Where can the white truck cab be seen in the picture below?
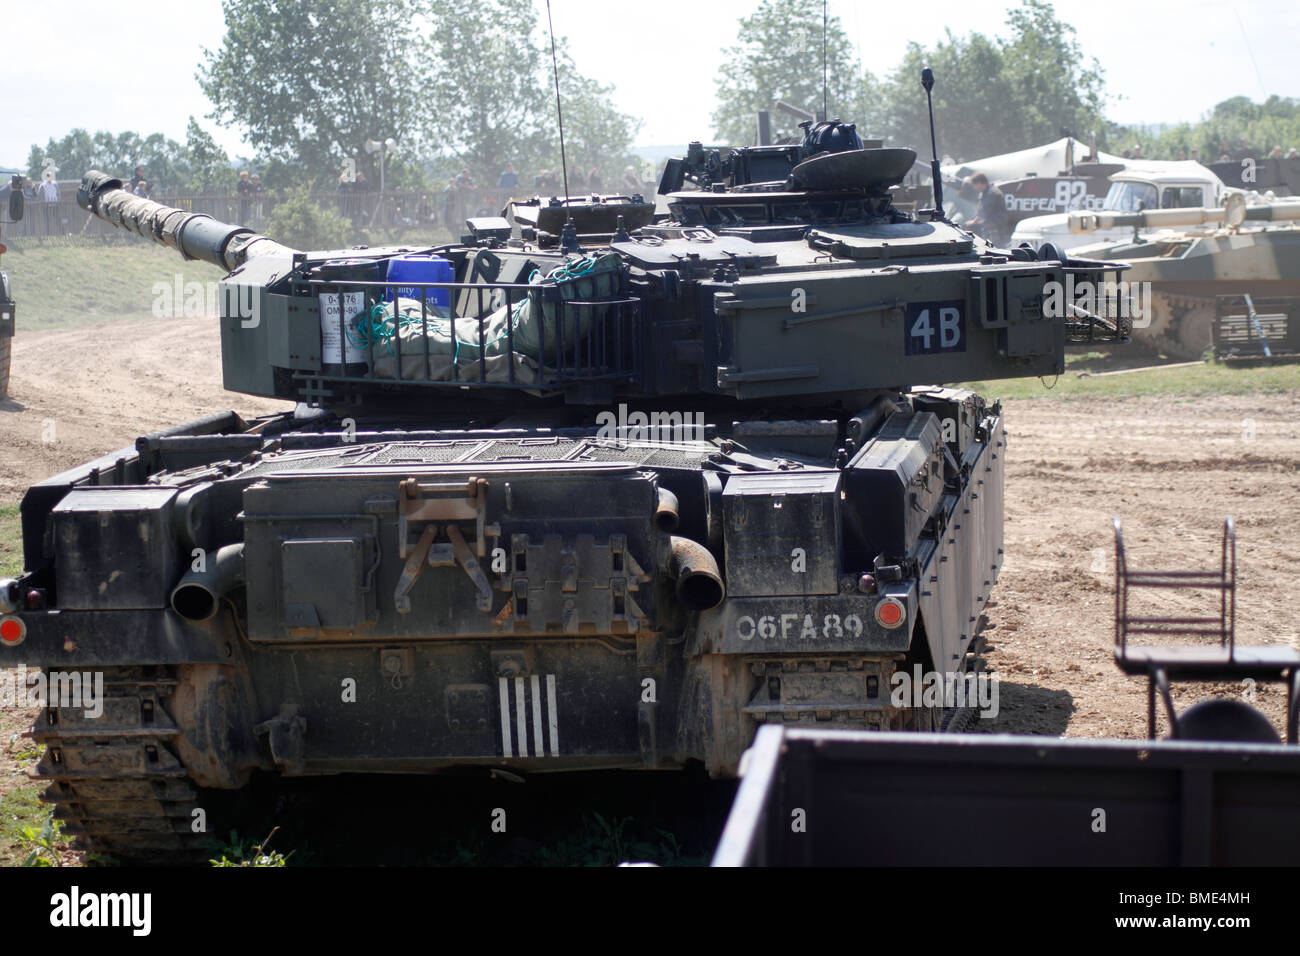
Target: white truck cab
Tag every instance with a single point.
(1142, 185)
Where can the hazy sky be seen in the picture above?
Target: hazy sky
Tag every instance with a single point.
(133, 67)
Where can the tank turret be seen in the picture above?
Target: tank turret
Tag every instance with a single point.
(787, 275)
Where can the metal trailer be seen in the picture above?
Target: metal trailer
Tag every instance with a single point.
(817, 798)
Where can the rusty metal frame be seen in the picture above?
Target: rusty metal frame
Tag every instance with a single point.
(448, 501)
(1163, 665)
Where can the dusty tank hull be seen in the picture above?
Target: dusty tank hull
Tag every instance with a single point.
(682, 518)
(597, 637)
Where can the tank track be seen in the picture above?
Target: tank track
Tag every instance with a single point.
(958, 720)
(951, 720)
(116, 781)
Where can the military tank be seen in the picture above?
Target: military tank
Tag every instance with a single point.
(1243, 248)
(609, 495)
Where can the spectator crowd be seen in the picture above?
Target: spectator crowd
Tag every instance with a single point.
(463, 196)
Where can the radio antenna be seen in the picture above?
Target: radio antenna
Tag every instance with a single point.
(936, 178)
(559, 114)
(569, 237)
(825, 115)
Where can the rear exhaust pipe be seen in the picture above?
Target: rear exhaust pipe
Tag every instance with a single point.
(198, 596)
(666, 517)
(699, 585)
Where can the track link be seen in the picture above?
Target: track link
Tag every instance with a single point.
(115, 781)
(960, 720)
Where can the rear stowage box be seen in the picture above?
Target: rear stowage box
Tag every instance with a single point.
(960, 412)
(782, 533)
(115, 548)
(892, 487)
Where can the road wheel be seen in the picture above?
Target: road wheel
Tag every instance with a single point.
(1194, 330)
(1179, 325)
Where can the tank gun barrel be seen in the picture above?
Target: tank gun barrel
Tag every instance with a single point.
(1086, 222)
(194, 235)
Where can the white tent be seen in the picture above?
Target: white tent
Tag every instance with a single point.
(1049, 160)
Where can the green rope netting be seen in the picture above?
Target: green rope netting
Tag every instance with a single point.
(386, 321)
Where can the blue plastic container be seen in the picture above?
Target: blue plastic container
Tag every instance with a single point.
(420, 269)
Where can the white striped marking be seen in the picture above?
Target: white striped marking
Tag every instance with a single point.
(539, 748)
(506, 747)
(520, 717)
(555, 720)
(516, 729)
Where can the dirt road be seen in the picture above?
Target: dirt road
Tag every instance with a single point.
(76, 394)
(1171, 468)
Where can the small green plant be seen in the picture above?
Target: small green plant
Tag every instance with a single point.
(301, 222)
(238, 853)
(615, 833)
(44, 842)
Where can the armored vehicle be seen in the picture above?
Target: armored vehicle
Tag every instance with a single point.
(1193, 256)
(609, 496)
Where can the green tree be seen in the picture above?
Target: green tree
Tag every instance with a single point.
(1274, 122)
(458, 88)
(165, 161)
(995, 95)
(595, 134)
(310, 81)
(300, 222)
(970, 99)
(491, 104)
(1054, 85)
(209, 166)
(779, 57)
(495, 96)
(70, 157)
